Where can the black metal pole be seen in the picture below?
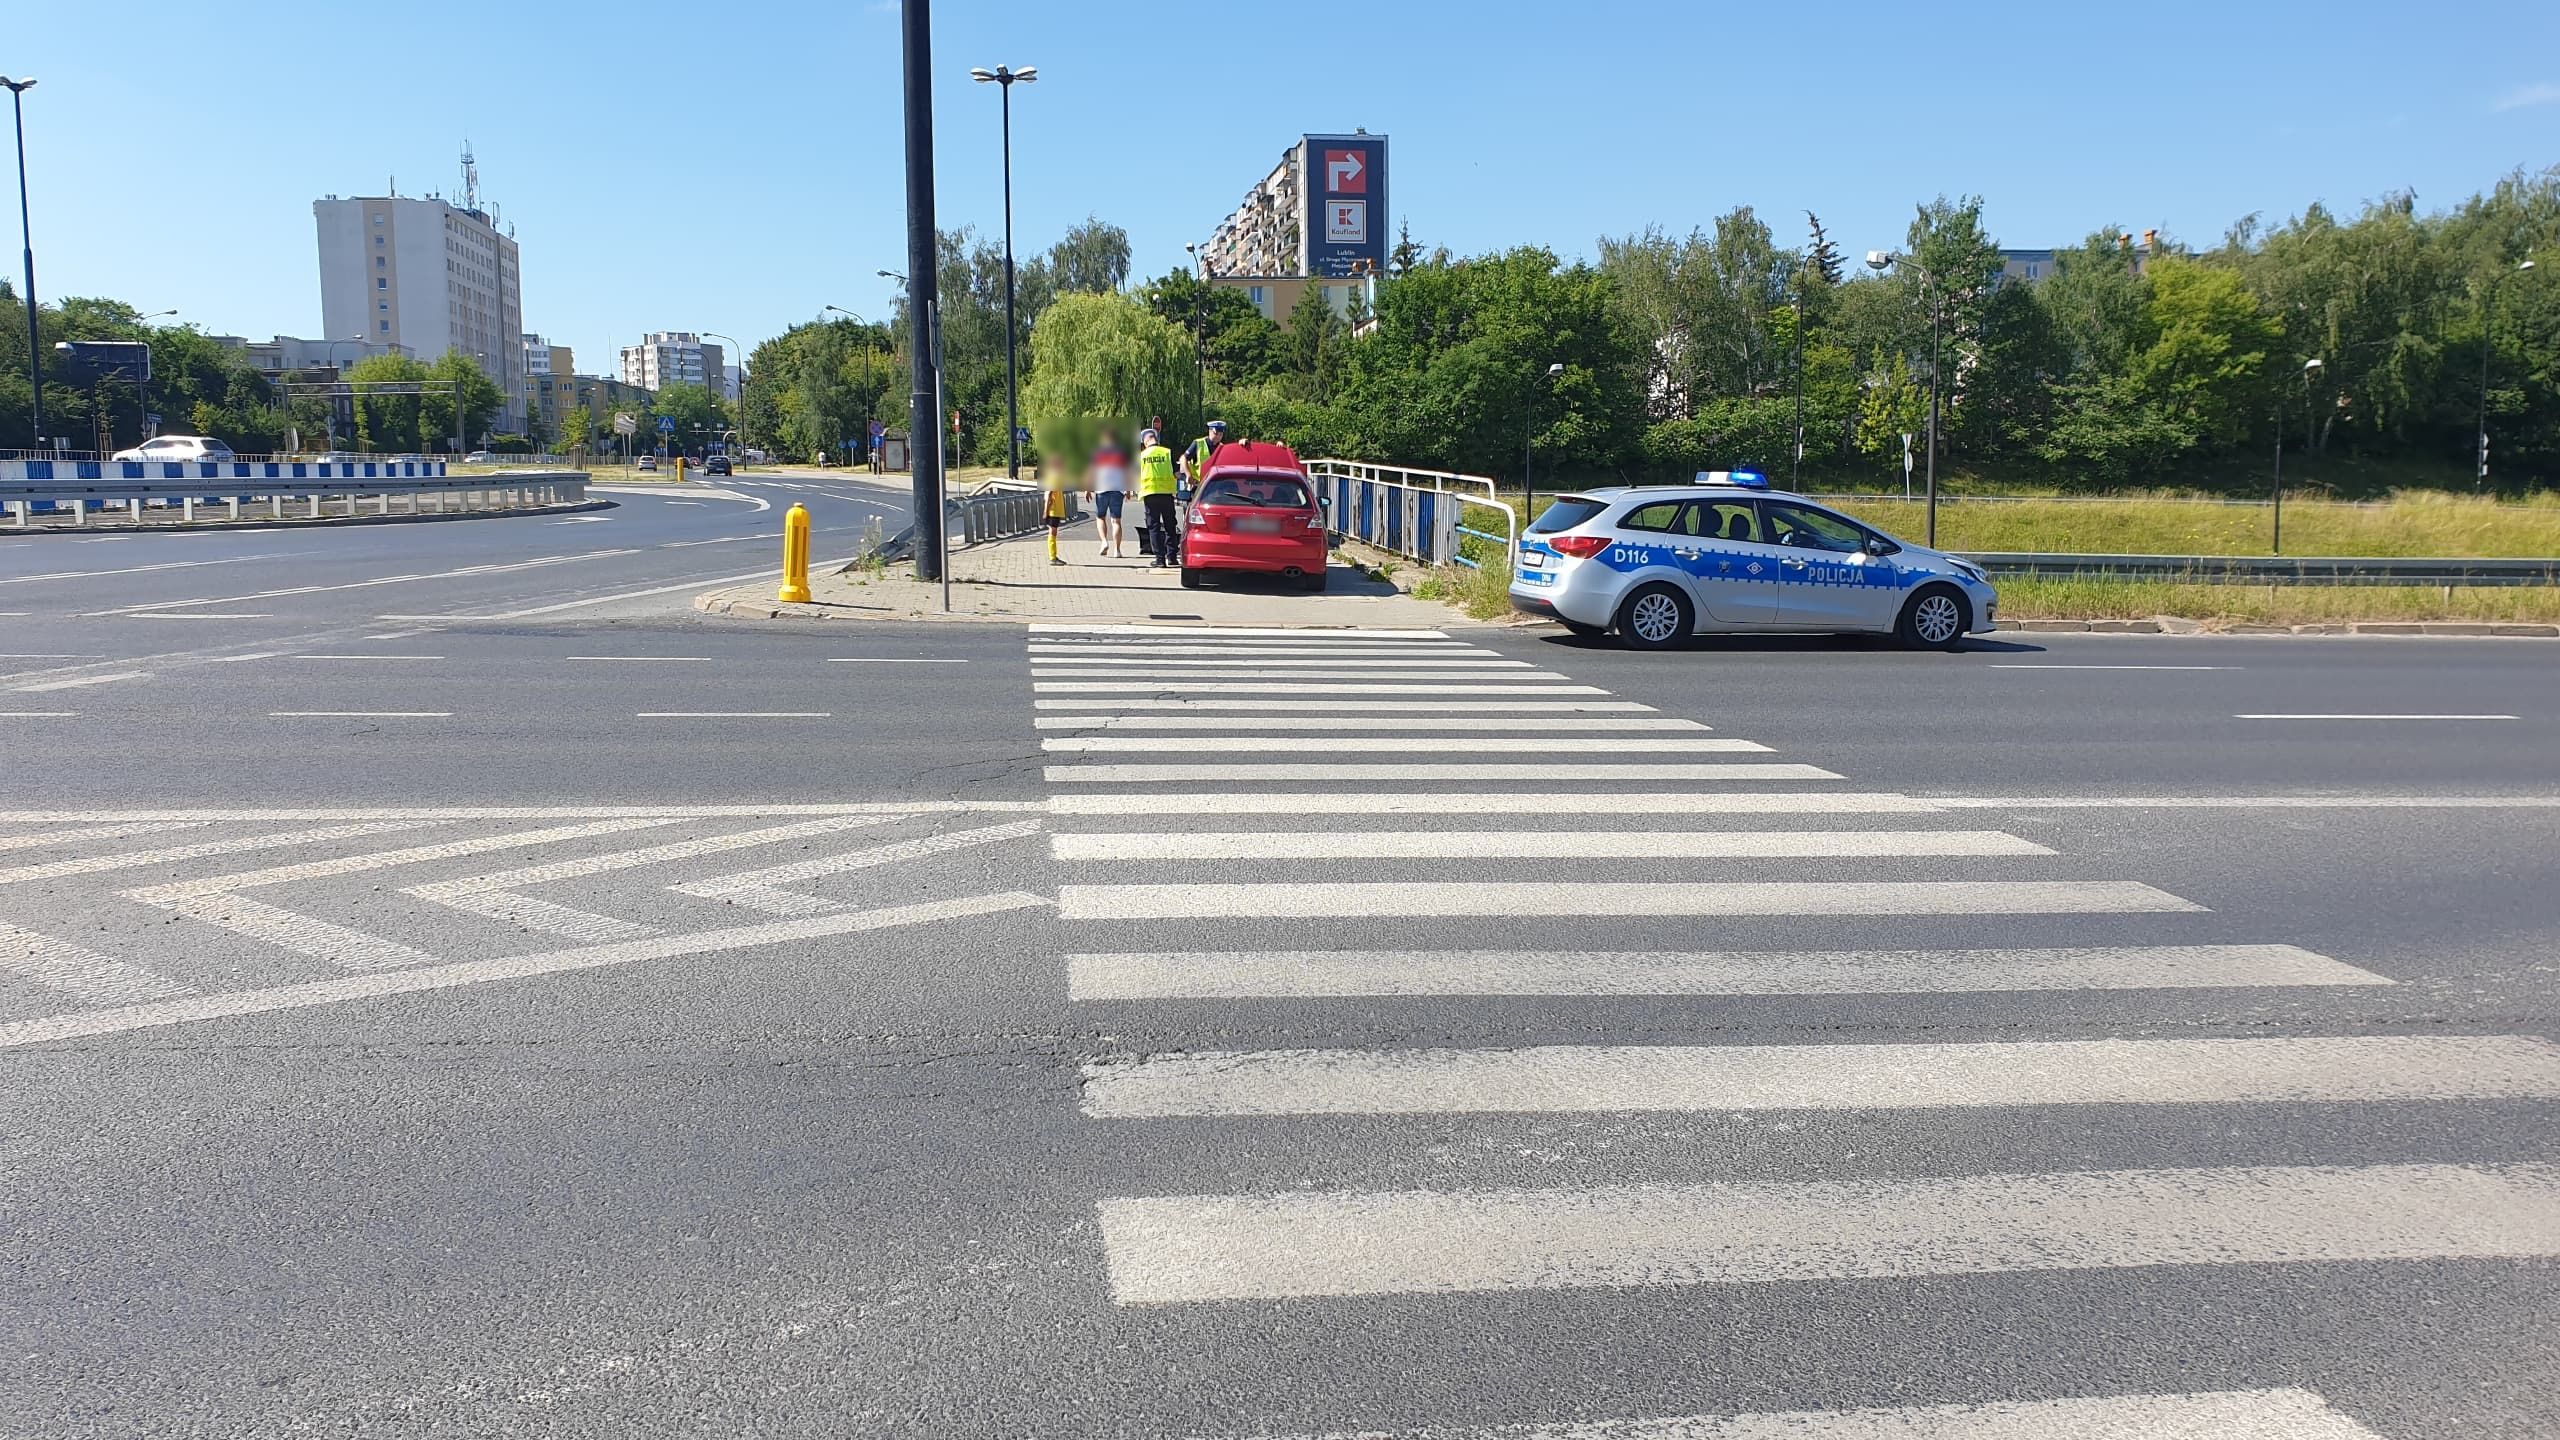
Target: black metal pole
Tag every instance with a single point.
(1012, 384)
(1795, 467)
(2277, 547)
(924, 456)
(1933, 416)
(2488, 302)
(35, 353)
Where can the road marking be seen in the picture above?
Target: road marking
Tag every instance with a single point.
(1309, 974)
(1064, 663)
(684, 502)
(886, 660)
(93, 864)
(1810, 802)
(2212, 1415)
(762, 889)
(1384, 774)
(1415, 899)
(2010, 665)
(1512, 708)
(1147, 678)
(2246, 802)
(432, 813)
(1157, 848)
(1701, 1079)
(635, 657)
(720, 540)
(292, 930)
(732, 715)
(268, 654)
(466, 572)
(384, 859)
(490, 894)
(38, 714)
(1134, 649)
(41, 655)
(1279, 687)
(706, 583)
(1409, 744)
(198, 615)
(2373, 717)
(142, 569)
(1356, 722)
(1238, 632)
(360, 714)
(85, 975)
(1189, 1248)
(368, 657)
(476, 972)
(583, 520)
(85, 680)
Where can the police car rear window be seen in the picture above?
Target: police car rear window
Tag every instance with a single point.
(1564, 514)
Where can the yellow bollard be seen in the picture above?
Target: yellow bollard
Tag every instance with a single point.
(795, 557)
(679, 469)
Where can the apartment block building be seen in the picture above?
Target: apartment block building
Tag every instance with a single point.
(429, 277)
(673, 357)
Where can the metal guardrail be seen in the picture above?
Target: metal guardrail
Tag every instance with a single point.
(1415, 513)
(2274, 569)
(307, 486)
(1001, 508)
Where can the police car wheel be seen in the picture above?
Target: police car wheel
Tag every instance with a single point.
(1935, 619)
(1656, 617)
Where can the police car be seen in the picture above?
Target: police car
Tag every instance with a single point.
(1659, 564)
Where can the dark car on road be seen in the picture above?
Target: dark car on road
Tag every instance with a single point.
(716, 465)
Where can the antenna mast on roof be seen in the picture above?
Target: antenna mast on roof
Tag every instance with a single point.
(470, 178)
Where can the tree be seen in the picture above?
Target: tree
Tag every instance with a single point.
(577, 430)
(1406, 253)
(1104, 360)
(1894, 407)
(1315, 333)
(2206, 367)
(388, 423)
(697, 412)
(458, 377)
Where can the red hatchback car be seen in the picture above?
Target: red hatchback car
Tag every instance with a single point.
(1255, 510)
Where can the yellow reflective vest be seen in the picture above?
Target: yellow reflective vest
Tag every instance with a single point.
(1155, 471)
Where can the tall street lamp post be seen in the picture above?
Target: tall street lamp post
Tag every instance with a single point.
(144, 389)
(2310, 370)
(35, 362)
(1199, 331)
(1881, 261)
(1529, 428)
(720, 383)
(1004, 78)
(338, 387)
(2488, 314)
(867, 406)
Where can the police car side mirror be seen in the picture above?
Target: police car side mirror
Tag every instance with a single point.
(1879, 546)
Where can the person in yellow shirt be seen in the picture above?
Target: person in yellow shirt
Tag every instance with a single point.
(1156, 482)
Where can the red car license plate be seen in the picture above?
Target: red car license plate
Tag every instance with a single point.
(1258, 525)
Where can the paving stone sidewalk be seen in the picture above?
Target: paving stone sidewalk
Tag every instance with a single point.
(1013, 580)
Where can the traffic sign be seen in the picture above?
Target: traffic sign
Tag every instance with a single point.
(666, 424)
(1022, 433)
(623, 423)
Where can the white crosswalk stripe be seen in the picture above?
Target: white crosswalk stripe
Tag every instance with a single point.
(83, 974)
(1322, 761)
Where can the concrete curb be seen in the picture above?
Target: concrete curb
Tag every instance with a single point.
(298, 522)
(2175, 625)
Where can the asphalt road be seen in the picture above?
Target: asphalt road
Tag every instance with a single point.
(634, 1022)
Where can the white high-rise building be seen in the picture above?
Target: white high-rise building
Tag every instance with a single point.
(669, 357)
(427, 277)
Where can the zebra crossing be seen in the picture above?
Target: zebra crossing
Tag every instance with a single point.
(312, 919)
(1288, 811)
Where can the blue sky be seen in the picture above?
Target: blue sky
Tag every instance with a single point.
(735, 167)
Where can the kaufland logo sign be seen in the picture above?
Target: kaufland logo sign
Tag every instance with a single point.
(1346, 172)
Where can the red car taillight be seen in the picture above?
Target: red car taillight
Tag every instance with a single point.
(1580, 547)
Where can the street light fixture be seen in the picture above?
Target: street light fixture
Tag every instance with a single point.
(1004, 78)
(35, 363)
(1881, 261)
(1199, 331)
(2311, 369)
(719, 386)
(2488, 315)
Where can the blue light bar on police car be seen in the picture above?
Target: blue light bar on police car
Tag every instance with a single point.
(1742, 479)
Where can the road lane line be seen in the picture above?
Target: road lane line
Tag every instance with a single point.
(424, 814)
(45, 839)
(2208, 1415)
(1281, 663)
(2373, 717)
(360, 714)
(84, 680)
(43, 655)
(476, 972)
(1703, 1079)
(732, 714)
(887, 660)
(762, 889)
(1238, 632)
(1506, 708)
(1576, 725)
(38, 714)
(1312, 974)
(635, 657)
(1810, 802)
(1146, 678)
(1041, 650)
(93, 864)
(195, 615)
(2246, 802)
(1158, 848)
(2014, 665)
(367, 657)
(83, 974)
(143, 569)
(1190, 1248)
(1416, 899)
(1286, 687)
(1219, 773)
(253, 655)
(706, 583)
(526, 912)
(467, 572)
(1411, 744)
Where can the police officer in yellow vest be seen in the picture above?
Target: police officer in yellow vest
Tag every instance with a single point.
(1156, 483)
(1195, 458)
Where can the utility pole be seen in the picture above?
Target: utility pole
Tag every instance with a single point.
(924, 458)
(35, 357)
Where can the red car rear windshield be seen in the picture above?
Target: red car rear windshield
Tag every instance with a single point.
(1262, 492)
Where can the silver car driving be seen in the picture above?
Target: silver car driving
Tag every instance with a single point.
(1658, 564)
